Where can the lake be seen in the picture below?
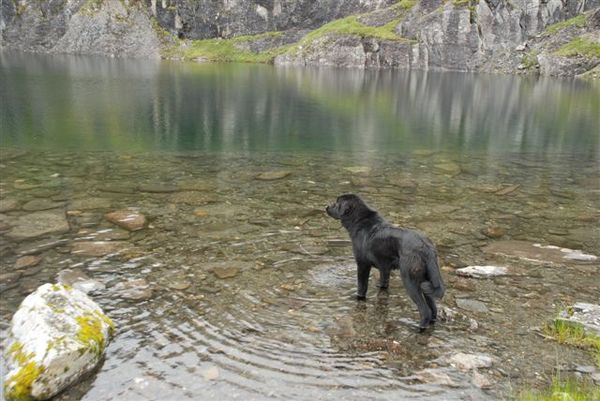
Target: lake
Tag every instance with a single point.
(240, 287)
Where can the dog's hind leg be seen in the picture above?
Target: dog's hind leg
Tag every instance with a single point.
(429, 298)
(414, 292)
(431, 303)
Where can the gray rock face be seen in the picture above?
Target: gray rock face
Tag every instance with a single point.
(486, 35)
(334, 50)
(107, 27)
(204, 19)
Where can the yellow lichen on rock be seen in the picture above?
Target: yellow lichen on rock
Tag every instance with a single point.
(18, 386)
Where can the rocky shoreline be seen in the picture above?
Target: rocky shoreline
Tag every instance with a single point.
(551, 38)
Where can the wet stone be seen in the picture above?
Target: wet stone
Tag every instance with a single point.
(435, 376)
(90, 204)
(585, 369)
(158, 188)
(482, 271)
(38, 224)
(97, 248)
(449, 168)
(27, 261)
(273, 175)
(127, 219)
(179, 284)
(537, 253)
(480, 380)
(493, 232)
(192, 198)
(41, 204)
(137, 290)
(224, 272)
(463, 361)
(79, 280)
(7, 205)
(117, 188)
(471, 305)
(358, 169)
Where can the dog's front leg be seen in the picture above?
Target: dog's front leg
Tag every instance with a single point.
(363, 271)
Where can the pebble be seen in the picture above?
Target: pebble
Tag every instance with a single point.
(466, 362)
(41, 204)
(471, 305)
(27, 261)
(90, 204)
(7, 205)
(211, 373)
(273, 175)
(97, 248)
(127, 219)
(224, 272)
(480, 380)
(79, 280)
(434, 376)
(138, 290)
(38, 224)
(158, 188)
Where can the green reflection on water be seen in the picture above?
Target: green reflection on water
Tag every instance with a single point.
(129, 105)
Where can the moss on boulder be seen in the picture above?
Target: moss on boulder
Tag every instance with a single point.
(57, 335)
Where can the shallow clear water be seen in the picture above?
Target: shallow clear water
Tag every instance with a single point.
(186, 146)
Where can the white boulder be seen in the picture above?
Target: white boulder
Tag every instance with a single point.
(482, 271)
(57, 335)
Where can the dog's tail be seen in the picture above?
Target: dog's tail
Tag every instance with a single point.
(435, 285)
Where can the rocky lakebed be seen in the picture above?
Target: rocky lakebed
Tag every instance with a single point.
(223, 275)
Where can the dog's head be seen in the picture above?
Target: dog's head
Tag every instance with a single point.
(347, 207)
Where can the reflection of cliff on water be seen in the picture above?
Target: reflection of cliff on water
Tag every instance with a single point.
(125, 105)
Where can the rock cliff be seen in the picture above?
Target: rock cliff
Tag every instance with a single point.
(552, 37)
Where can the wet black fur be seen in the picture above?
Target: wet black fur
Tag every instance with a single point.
(377, 243)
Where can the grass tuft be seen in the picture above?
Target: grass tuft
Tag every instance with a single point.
(579, 21)
(571, 390)
(580, 47)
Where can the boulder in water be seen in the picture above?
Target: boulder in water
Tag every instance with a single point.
(57, 335)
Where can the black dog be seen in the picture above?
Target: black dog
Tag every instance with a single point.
(377, 243)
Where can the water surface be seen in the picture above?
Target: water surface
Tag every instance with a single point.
(186, 145)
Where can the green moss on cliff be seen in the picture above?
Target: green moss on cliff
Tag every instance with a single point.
(351, 26)
(226, 50)
(579, 21)
(580, 47)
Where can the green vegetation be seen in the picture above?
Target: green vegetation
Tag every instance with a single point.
(580, 47)
(91, 7)
(571, 390)
(578, 21)
(351, 26)
(530, 60)
(565, 332)
(470, 3)
(227, 50)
